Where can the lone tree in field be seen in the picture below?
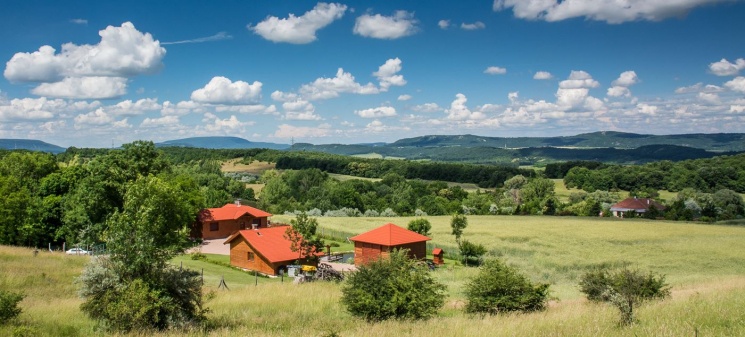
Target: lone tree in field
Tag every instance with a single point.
(421, 226)
(500, 288)
(470, 250)
(396, 287)
(458, 223)
(302, 236)
(625, 289)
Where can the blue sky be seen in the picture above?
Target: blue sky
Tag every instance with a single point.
(96, 73)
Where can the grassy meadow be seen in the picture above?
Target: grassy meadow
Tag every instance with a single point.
(703, 263)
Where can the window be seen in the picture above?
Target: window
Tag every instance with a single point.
(250, 256)
(214, 226)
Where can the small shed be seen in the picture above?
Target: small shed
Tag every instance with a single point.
(437, 256)
(379, 242)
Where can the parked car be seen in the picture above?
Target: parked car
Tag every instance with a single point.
(76, 251)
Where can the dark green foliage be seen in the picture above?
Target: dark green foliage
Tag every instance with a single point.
(471, 251)
(397, 287)
(559, 170)
(421, 226)
(626, 289)
(458, 223)
(303, 238)
(9, 308)
(500, 288)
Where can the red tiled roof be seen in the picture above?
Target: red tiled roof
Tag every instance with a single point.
(437, 251)
(231, 212)
(390, 235)
(636, 204)
(269, 242)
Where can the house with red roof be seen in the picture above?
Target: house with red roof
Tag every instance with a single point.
(264, 249)
(216, 223)
(637, 205)
(379, 242)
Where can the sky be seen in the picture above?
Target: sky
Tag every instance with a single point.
(104, 73)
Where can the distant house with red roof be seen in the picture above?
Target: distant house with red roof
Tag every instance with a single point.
(637, 205)
(265, 250)
(216, 223)
(379, 242)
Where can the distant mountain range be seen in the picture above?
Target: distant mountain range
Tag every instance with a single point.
(30, 144)
(222, 143)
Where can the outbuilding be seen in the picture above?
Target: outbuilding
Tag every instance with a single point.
(438, 256)
(379, 242)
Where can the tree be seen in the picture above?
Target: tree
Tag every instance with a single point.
(500, 288)
(471, 250)
(303, 238)
(458, 223)
(421, 226)
(625, 289)
(397, 287)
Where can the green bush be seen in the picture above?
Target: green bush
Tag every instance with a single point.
(9, 305)
(397, 287)
(421, 226)
(501, 288)
(471, 251)
(625, 289)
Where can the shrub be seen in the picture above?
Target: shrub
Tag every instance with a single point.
(397, 287)
(471, 250)
(9, 305)
(625, 289)
(421, 226)
(501, 288)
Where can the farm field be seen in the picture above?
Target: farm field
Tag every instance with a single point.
(702, 263)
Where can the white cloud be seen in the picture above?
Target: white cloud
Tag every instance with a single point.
(325, 88)
(29, 109)
(473, 26)
(698, 87)
(737, 109)
(302, 116)
(709, 98)
(79, 21)
(248, 109)
(130, 108)
(287, 131)
(404, 97)
(543, 75)
(646, 109)
(578, 79)
(443, 24)
(383, 111)
(95, 87)
(610, 11)
(459, 111)
(96, 117)
(726, 68)
(388, 75)
(229, 125)
(181, 108)
(427, 107)
(377, 26)
(220, 90)
(513, 96)
(618, 91)
(495, 70)
(217, 37)
(736, 84)
(299, 29)
(626, 79)
(159, 122)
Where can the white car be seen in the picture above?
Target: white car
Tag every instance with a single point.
(76, 251)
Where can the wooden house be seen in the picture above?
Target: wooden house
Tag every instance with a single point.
(637, 205)
(265, 250)
(217, 223)
(379, 242)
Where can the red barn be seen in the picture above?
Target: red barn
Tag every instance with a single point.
(215, 223)
(265, 250)
(379, 242)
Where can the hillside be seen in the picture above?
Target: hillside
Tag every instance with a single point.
(29, 144)
(221, 143)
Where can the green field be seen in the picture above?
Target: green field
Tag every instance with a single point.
(703, 263)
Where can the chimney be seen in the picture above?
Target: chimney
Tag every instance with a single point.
(237, 202)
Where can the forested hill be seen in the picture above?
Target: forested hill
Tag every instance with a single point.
(221, 143)
(29, 144)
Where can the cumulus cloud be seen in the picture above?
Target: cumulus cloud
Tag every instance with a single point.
(217, 37)
(388, 75)
(443, 24)
(459, 111)
(736, 84)
(27, 109)
(299, 29)
(343, 82)
(383, 111)
(626, 79)
(377, 126)
(709, 98)
(95, 87)
(473, 26)
(160, 122)
(542, 75)
(377, 26)
(300, 109)
(302, 116)
(578, 79)
(698, 87)
(726, 68)
(618, 91)
(646, 109)
(287, 131)
(96, 117)
(427, 107)
(404, 97)
(573, 93)
(214, 124)
(248, 109)
(495, 70)
(613, 12)
(134, 108)
(180, 108)
(221, 90)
